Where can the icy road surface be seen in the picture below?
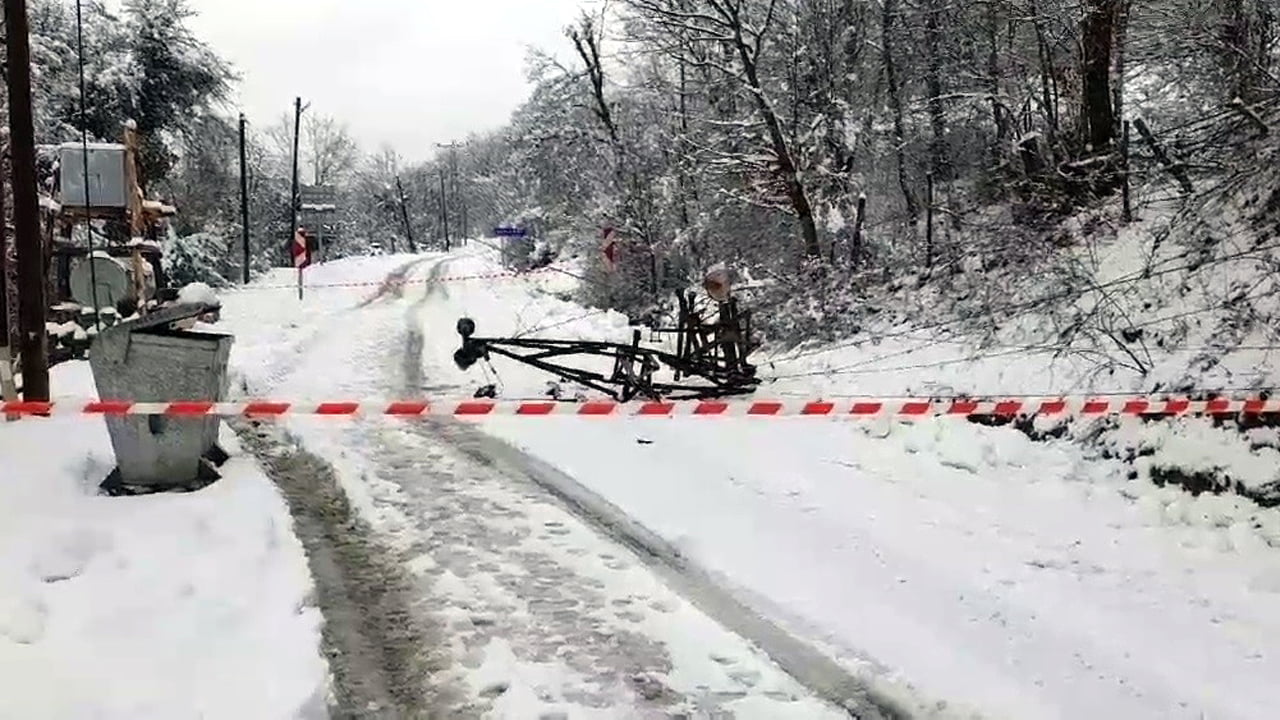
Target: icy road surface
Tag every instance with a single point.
(499, 602)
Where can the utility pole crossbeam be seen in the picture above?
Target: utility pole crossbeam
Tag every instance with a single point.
(32, 305)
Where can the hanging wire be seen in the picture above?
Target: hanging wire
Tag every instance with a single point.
(84, 143)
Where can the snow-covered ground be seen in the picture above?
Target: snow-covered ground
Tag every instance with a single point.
(175, 606)
(955, 569)
(539, 612)
(944, 561)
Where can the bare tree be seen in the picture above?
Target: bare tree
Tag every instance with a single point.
(743, 28)
(329, 149)
(1247, 36)
(888, 17)
(1098, 38)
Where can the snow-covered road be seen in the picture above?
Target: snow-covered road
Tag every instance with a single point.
(954, 568)
(538, 612)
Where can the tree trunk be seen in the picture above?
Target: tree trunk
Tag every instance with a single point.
(1098, 33)
(895, 103)
(787, 170)
(588, 48)
(682, 162)
(938, 163)
(993, 82)
(1121, 65)
(1246, 34)
(1047, 82)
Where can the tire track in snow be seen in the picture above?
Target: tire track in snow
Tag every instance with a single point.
(814, 670)
(569, 606)
(381, 644)
(393, 285)
(468, 590)
(286, 363)
(477, 528)
(415, 338)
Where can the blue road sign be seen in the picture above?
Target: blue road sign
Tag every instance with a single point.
(509, 232)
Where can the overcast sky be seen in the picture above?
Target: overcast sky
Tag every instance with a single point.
(409, 73)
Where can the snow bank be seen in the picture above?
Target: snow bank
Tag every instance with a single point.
(1021, 578)
(152, 607)
(198, 293)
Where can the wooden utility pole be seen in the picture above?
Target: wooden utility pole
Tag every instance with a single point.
(444, 209)
(8, 390)
(244, 198)
(84, 158)
(293, 195)
(404, 213)
(458, 197)
(32, 306)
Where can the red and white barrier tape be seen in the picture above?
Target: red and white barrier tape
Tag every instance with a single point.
(851, 408)
(498, 275)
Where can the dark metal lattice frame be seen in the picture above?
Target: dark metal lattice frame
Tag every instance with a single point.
(711, 358)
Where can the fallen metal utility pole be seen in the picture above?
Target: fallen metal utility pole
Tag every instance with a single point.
(33, 345)
(244, 198)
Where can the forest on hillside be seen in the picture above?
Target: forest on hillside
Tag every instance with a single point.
(821, 146)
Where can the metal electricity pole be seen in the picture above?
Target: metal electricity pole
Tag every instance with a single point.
(244, 198)
(32, 305)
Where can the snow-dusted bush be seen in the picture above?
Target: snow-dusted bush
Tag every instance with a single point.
(198, 258)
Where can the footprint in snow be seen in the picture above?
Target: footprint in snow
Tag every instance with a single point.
(662, 606)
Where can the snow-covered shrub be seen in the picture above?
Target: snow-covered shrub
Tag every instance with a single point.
(824, 306)
(201, 257)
